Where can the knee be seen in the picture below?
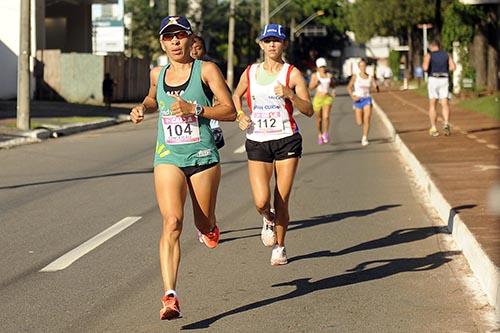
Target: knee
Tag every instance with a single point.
(261, 205)
(172, 224)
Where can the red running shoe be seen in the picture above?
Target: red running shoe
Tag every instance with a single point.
(170, 308)
(211, 239)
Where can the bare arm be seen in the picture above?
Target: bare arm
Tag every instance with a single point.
(149, 103)
(375, 85)
(243, 120)
(314, 81)
(427, 60)
(224, 110)
(300, 99)
(350, 87)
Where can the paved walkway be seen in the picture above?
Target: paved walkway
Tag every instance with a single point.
(464, 167)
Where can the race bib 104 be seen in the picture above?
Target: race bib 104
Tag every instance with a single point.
(181, 130)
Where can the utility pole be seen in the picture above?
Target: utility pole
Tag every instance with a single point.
(23, 69)
(264, 12)
(230, 46)
(172, 11)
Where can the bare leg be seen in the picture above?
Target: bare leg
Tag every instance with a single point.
(203, 188)
(318, 122)
(326, 118)
(359, 116)
(285, 173)
(432, 112)
(446, 109)
(259, 174)
(367, 114)
(171, 191)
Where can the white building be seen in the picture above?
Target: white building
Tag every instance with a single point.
(55, 24)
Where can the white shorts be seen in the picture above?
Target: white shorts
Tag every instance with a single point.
(437, 87)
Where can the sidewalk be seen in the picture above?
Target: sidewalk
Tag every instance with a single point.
(456, 172)
(53, 119)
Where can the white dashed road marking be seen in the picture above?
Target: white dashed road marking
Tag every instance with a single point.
(78, 252)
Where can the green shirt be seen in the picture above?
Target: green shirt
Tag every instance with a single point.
(184, 141)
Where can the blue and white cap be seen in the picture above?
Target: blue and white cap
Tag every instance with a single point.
(179, 22)
(273, 30)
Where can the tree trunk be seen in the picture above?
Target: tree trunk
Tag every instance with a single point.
(493, 45)
(478, 57)
(409, 62)
(438, 21)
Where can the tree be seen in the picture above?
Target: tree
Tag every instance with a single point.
(369, 18)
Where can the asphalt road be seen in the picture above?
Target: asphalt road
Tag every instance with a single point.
(365, 254)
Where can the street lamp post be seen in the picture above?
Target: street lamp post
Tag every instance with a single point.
(230, 46)
(424, 28)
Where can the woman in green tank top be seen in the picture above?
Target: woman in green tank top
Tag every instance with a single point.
(185, 156)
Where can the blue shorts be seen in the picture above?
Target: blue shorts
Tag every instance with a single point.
(362, 102)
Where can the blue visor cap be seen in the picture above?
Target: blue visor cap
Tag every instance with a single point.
(273, 30)
(179, 22)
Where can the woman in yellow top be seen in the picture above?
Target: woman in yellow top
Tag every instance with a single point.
(322, 81)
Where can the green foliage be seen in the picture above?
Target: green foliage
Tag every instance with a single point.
(369, 18)
(394, 57)
(459, 24)
(489, 105)
(146, 20)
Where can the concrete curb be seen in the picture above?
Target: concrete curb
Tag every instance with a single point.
(483, 268)
(39, 135)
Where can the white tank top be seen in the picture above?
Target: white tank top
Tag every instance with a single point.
(324, 83)
(362, 86)
(272, 116)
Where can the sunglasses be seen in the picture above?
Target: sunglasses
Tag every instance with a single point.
(269, 40)
(177, 34)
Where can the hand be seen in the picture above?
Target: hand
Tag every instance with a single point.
(181, 108)
(355, 98)
(282, 91)
(244, 122)
(137, 113)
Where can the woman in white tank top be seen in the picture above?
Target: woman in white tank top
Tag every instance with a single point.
(359, 88)
(322, 81)
(273, 89)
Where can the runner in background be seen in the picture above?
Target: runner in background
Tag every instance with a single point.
(323, 82)
(199, 51)
(438, 64)
(186, 158)
(359, 88)
(274, 145)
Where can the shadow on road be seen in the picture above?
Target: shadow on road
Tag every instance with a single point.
(125, 173)
(359, 274)
(395, 238)
(317, 220)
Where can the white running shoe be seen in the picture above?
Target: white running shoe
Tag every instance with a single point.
(278, 256)
(268, 234)
(364, 141)
(200, 236)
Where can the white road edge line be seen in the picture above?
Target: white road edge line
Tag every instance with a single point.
(78, 252)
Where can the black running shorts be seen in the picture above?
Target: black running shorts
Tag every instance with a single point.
(274, 150)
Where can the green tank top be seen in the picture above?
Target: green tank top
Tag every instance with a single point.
(184, 141)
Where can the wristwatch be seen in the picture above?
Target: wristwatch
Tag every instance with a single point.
(198, 109)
